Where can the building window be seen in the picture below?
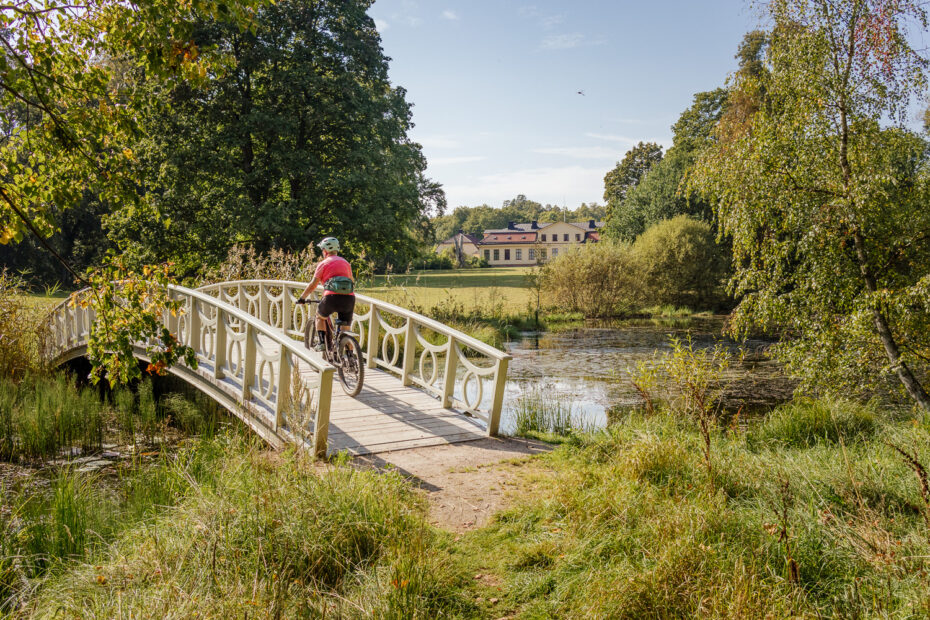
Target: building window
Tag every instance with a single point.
(544, 238)
(578, 237)
(555, 252)
(532, 254)
(542, 254)
(565, 237)
(520, 254)
(497, 254)
(487, 255)
(507, 254)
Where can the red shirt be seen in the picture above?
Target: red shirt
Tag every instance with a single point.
(330, 268)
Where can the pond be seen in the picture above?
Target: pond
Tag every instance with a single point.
(587, 366)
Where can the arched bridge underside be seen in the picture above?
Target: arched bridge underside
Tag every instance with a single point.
(425, 383)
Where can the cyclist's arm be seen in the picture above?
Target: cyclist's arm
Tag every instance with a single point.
(313, 284)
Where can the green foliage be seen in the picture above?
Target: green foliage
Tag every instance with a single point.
(244, 262)
(475, 220)
(660, 194)
(825, 200)
(130, 309)
(301, 136)
(599, 280)
(675, 263)
(681, 263)
(619, 182)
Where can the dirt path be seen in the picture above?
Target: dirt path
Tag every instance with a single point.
(466, 483)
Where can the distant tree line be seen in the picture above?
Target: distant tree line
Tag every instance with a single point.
(475, 220)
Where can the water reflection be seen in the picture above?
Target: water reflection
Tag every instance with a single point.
(588, 366)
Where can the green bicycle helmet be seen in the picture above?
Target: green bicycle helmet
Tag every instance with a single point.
(330, 244)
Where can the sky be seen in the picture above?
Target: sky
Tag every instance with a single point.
(544, 98)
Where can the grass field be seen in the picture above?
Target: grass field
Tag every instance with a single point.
(507, 286)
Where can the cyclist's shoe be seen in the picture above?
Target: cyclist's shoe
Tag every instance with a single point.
(319, 347)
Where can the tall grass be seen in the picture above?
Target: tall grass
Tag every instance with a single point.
(272, 538)
(538, 412)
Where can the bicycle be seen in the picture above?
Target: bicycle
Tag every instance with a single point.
(342, 351)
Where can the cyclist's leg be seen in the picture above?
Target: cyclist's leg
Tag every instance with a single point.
(323, 310)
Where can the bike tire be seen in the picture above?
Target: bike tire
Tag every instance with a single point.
(310, 333)
(350, 365)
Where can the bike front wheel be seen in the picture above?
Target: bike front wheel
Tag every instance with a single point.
(350, 365)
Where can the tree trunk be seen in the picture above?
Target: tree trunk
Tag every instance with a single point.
(914, 389)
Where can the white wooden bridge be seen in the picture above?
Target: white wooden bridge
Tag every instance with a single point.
(425, 383)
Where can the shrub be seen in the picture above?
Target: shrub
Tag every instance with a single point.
(681, 264)
(244, 262)
(597, 280)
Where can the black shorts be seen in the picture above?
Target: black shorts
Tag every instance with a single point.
(343, 305)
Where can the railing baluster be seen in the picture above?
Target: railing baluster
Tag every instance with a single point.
(220, 346)
(321, 424)
(262, 303)
(448, 381)
(284, 387)
(410, 348)
(374, 325)
(286, 309)
(500, 382)
(248, 366)
(194, 325)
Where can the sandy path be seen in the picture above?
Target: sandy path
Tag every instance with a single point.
(466, 483)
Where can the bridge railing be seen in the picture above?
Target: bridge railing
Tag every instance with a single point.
(242, 362)
(461, 371)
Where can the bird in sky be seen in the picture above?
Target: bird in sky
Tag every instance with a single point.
(581, 92)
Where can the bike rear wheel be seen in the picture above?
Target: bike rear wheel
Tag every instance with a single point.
(350, 365)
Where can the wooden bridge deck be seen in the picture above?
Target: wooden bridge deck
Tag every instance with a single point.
(388, 416)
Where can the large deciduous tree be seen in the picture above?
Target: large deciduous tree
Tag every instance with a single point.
(825, 193)
(628, 173)
(303, 136)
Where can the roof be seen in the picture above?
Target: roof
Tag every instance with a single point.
(465, 237)
(528, 226)
(511, 236)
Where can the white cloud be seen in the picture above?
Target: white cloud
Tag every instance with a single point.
(547, 21)
(580, 152)
(413, 21)
(568, 41)
(571, 184)
(562, 41)
(448, 161)
(450, 15)
(381, 25)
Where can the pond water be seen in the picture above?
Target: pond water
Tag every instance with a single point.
(587, 366)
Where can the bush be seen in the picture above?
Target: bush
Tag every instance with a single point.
(681, 263)
(599, 280)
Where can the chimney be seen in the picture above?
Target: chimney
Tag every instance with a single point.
(511, 226)
(591, 224)
(534, 225)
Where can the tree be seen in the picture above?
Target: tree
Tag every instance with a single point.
(68, 126)
(628, 173)
(303, 136)
(824, 194)
(660, 193)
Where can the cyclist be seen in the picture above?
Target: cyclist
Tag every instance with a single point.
(335, 274)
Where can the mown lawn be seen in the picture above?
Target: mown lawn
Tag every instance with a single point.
(506, 286)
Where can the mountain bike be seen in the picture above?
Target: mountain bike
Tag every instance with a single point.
(341, 350)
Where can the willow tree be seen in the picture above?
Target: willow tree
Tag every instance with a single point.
(824, 192)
